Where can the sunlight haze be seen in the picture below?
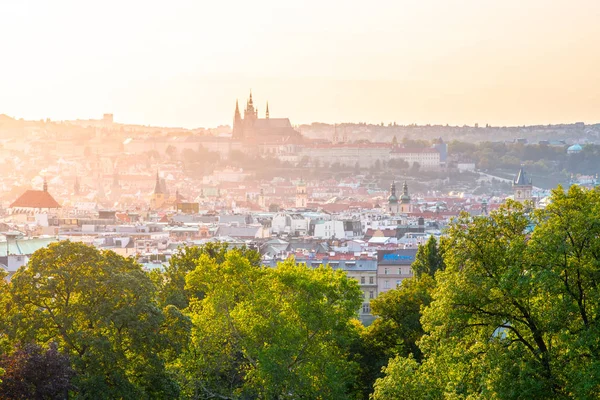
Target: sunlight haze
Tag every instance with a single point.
(184, 63)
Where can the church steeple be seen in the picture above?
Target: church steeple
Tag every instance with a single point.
(237, 109)
(267, 113)
(405, 196)
(45, 187)
(158, 189)
(237, 123)
(250, 112)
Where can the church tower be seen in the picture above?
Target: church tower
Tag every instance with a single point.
(393, 207)
(405, 206)
(267, 113)
(261, 199)
(238, 128)
(522, 187)
(250, 116)
(158, 197)
(301, 195)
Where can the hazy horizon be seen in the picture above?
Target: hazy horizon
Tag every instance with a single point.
(185, 63)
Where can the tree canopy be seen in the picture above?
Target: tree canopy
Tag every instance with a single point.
(100, 309)
(514, 315)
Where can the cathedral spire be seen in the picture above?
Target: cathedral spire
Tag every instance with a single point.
(250, 112)
(158, 189)
(267, 113)
(237, 122)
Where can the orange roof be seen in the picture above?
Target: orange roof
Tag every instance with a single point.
(35, 199)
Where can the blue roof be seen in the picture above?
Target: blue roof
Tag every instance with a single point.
(24, 246)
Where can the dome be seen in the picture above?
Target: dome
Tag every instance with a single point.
(405, 196)
(576, 148)
(393, 199)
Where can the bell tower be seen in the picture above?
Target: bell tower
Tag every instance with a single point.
(405, 206)
(522, 187)
(301, 195)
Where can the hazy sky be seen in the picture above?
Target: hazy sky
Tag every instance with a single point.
(184, 63)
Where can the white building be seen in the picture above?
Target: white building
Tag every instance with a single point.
(329, 230)
(290, 223)
(364, 154)
(426, 157)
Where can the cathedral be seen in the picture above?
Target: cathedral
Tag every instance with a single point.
(255, 129)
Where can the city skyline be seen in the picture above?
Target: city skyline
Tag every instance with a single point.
(186, 64)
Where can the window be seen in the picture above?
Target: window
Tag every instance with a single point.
(371, 294)
(399, 271)
(398, 282)
(386, 284)
(385, 271)
(362, 280)
(371, 280)
(366, 308)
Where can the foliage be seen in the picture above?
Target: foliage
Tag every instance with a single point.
(100, 308)
(173, 291)
(269, 333)
(397, 329)
(32, 373)
(515, 312)
(429, 258)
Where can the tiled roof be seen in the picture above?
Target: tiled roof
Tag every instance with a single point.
(35, 199)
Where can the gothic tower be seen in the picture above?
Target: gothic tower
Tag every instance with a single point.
(522, 187)
(238, 128)
(250, 116)
(158, 197)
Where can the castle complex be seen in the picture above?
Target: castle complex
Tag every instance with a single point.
(251, 128)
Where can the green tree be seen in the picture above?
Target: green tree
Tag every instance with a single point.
(515, 312)
(100, 308)
(397, 329)
(429, 259)
(269, 333)
(172, 281)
